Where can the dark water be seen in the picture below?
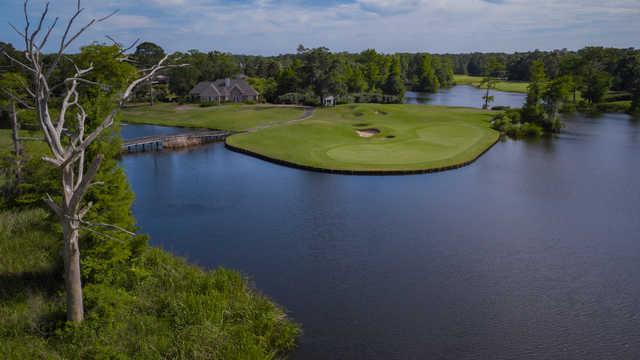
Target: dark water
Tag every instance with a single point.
(468, 96)
(532, 252)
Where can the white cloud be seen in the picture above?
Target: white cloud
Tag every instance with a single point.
(276, 26)
(390, 6)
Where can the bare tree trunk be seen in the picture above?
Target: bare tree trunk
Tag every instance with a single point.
(72, 276)
(150, 94)
(68, 145)
(486, 99)
(17, 145)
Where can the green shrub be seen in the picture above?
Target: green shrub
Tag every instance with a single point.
(508, 122)
(166, 309)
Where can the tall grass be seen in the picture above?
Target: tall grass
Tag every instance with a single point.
(164, 309)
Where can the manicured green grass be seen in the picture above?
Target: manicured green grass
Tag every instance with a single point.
(411, 138)
(509, 86)
(223, 117)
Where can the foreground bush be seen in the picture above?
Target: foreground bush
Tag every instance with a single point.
(163, 307)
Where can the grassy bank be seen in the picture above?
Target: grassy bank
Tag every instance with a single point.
(409, 138)
(158, 307)
(224, 117)
(509, 86)
(167, 308)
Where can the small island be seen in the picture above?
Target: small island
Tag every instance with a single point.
(375, 139)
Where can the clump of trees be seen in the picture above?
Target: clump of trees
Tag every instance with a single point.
(545, 100)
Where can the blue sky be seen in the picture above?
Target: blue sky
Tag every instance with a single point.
(270, 27)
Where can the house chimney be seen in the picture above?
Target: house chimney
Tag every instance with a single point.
(227, 82)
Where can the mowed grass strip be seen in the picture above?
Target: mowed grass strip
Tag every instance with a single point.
(508, 86)
(224, 117)
(410, 138)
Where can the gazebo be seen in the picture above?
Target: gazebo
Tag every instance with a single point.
(329, 101)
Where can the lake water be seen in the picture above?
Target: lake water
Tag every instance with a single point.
(465, 95)
(532, 252)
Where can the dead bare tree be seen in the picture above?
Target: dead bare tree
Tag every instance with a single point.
(13, 87)
(68, 146)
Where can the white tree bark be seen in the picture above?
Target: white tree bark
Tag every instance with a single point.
(68, 146)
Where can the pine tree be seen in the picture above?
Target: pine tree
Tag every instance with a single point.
(395, 81)
(428, 81)
(107, 251)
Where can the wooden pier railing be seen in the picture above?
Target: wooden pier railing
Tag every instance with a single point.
(159, 142)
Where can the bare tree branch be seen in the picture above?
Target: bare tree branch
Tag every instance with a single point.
(18, 61)
(82, 187)
(17, 31)
(40, 22)
(52, 204)
(46, 37)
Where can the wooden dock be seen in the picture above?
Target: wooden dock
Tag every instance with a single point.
(160, 142)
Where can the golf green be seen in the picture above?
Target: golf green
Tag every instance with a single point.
(371, 138)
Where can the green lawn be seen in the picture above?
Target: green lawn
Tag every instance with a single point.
(509, 86)
(224, 117)
(411, 138)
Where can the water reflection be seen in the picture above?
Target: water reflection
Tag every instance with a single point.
(531, 252)
(467, 96)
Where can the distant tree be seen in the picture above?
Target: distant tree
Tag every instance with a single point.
(427, 78)
(493, 69)
(147, 54)
(355, 80)
(632, 73)
(182, 79)
(444, 71)
(572, 65)
(13, 96)
(222, 65)
(596, 84)
(267, 87)
(372, 64)
(533, 110)
(395, 81)
(319, 71)
(288, 80)
(554, 97)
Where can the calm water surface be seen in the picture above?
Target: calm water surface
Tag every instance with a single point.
(532, 252)
(465, 95)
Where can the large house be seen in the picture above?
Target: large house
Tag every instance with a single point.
(222, 90)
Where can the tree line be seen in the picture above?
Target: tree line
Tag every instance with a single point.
(311, 73)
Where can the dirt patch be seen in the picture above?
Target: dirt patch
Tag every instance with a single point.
(183, 107)
(367, 133)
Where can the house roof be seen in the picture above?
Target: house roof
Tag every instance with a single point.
(205, 89)
(220, 88)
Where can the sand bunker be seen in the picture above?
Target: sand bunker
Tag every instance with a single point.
(367, 133)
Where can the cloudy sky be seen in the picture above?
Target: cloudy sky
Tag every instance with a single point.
(270, 27)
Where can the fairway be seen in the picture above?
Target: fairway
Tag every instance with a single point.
(370, 138)
(508, 86)
(224, 117)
